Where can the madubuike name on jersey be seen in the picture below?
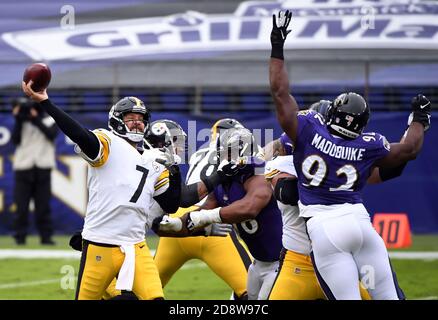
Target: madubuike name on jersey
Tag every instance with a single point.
(333, 170)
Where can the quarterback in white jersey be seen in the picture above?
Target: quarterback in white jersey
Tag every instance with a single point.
(119, 218)
(121, 185)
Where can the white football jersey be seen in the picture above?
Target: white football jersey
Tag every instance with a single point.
(121, 186)
(295, 237)
(202, 162)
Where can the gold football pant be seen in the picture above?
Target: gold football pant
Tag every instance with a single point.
(225, 256)
(296, 279)
(101, 263)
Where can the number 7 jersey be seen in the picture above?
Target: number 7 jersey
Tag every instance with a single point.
(333, 170)
(121, 186)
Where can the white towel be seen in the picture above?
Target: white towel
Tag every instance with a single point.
(125, 280)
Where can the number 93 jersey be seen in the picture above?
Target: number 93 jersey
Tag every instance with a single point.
(333, 170)
(121, 185)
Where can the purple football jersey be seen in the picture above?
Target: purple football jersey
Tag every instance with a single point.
(287, 143)
(333, 170)
(263, 234)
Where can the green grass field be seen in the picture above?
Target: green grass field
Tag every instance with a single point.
(55, 279)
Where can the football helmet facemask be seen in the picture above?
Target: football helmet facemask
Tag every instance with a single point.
(119, 110)
(236, 143)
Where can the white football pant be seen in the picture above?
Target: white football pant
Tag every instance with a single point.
(346, 248)
(261, 277)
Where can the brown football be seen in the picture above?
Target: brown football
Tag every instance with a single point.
(40, 74)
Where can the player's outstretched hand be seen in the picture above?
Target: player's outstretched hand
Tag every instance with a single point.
(279, 29)
(170, 224)
(35, 96)
(421, 111)
(167, 159)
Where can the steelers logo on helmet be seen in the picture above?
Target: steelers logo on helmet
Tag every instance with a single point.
(116, 118)
(158, 128)
(348, 115)
(165, 133)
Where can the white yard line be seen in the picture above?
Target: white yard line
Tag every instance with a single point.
(27, 284)
(38, 254)
(414, 255)
(71, 254)
(190, 265)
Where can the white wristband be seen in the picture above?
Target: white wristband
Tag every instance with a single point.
(170, 224)
(203, 218)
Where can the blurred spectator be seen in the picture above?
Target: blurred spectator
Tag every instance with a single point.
(33, 134)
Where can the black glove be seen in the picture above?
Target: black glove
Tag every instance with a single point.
(76, 241)
(229, 168)
(279, 33)
(224, 173)
(421, 109)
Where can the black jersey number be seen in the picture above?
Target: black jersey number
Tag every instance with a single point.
(197, 161)
(140, 187)
(210, 167)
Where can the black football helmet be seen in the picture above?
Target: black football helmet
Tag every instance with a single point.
(235, 143)
(322, 107)
(166, 133)
(348, 115)
(118, 111)
(222, 125)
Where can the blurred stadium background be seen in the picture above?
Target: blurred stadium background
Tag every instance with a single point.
(202, 60)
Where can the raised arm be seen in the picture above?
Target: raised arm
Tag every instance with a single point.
(285, 104)
(408, 149)
(46, 124)
(379, 175)
(84, 138)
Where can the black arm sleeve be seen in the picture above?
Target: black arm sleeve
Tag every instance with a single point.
(84, 138)
(16, 132)
(49, 132)
(189, 195)
(169, 199)
(286, 191)
(391, 173)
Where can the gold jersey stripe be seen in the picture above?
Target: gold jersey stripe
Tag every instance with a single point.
(105, 142)
(271, 174)
(160, 181)
(164, 174)
(162, 184)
